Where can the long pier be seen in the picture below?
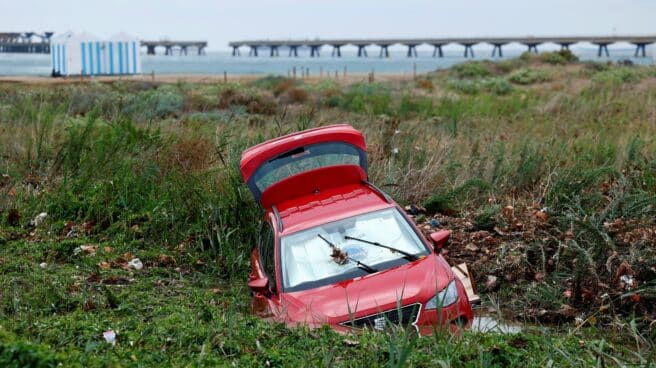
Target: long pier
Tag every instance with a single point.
(531, 43)
(171, 46)
(25, 42)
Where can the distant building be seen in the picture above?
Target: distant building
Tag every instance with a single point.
(85, 54)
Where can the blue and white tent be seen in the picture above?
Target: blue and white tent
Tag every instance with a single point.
(84, 54)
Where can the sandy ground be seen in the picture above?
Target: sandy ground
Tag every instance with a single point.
(198, 78)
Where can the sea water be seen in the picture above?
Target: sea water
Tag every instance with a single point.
(218, 62)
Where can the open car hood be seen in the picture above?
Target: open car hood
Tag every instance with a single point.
(305, 162)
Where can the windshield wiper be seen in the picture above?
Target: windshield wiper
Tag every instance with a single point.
(336, 250)
(409, 256)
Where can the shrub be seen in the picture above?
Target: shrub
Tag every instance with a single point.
(26, 355)
(472, 69)
(527, 76)
(253, 103)
(558, 57)
(498, 86)
(619, 75)
(296, 95)
(465, 86)
(425, 84)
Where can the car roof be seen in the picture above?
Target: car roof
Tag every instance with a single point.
(331, 205)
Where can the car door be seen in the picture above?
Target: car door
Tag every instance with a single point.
(265, 305)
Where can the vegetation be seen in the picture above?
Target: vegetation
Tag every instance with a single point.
(545, 168)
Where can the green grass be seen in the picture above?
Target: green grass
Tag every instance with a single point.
(151, 170)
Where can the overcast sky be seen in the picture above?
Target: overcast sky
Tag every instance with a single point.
(222, 21)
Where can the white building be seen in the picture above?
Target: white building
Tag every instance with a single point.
(84, 54)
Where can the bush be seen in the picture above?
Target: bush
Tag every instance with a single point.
(472, 69)
(618, 75)
(296, 95)
(498, 86)
(25, 355)
(558, 57)
(371, 98)
(465, 86)
(526, 76)
(253, 103)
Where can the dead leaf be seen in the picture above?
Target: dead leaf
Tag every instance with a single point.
(567, 310)
(216, 290)
(542, 216)
(623, 269)
(508, 212)
(108, 249)
(87, 249)
(471, 247)
(94, 277)
(104, 265)
(166, 260)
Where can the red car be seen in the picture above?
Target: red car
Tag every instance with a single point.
(334, 249)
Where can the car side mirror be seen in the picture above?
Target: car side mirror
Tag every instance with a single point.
(440, 239)
(260, 286)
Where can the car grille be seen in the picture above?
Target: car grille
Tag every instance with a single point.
(408, 315)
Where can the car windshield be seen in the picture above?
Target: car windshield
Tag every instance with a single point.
(306, 258)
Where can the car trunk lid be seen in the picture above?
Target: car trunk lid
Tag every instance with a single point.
(305, 162)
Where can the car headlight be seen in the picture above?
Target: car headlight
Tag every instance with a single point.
(445, 297)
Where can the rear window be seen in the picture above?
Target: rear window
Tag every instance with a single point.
(307, 158)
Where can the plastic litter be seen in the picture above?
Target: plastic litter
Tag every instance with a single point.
(110, 337)
(86, 249)
(38, 220)
(627, 282)
(135, 263)
(434, 223)
(43, 265)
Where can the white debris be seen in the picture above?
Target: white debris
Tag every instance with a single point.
(38, 220)
(627, 282)
(110, 337)
(43, 265)
(135, 263)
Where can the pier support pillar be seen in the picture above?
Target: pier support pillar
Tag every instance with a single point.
(274, 51)
(564, 46)
(253, 51)
(293, 51)
(168, 50)
(438, 50)
(235, 51)
(150, 50)
(468, 49)
(641, 47)
(362, 50)
(384, 51)
(603, 47)
(201, 50)
(412, 50)
(533, 47)
(183, 50)
(497, 47)
(314, 50)
(337, 51)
